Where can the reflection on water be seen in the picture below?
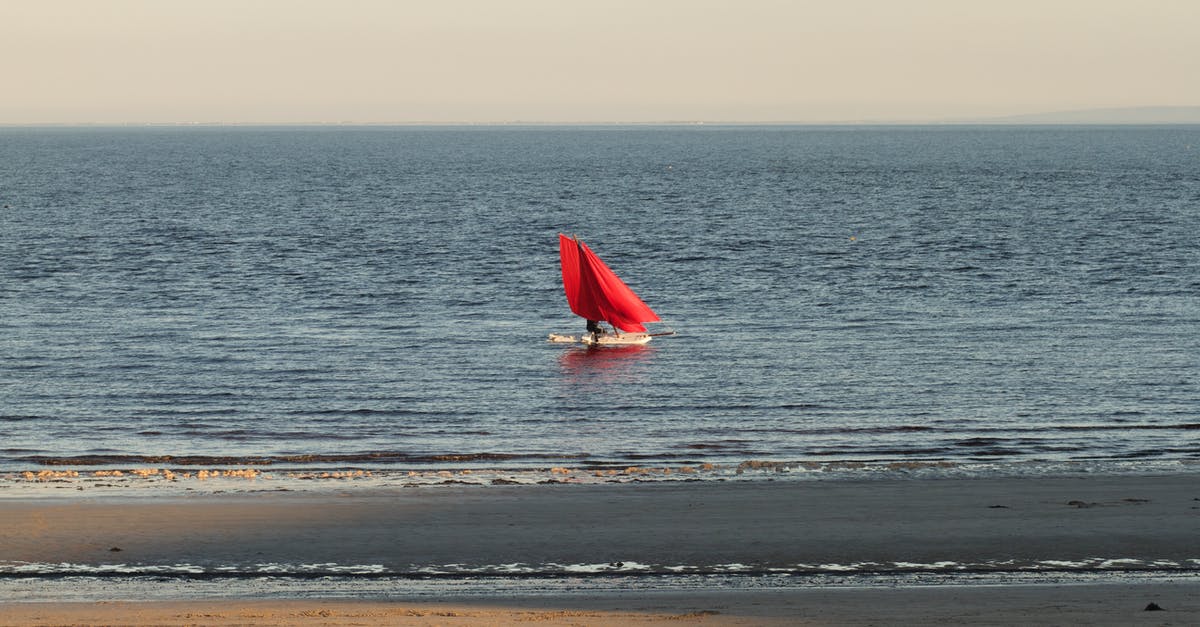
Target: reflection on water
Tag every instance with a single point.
(607, 365)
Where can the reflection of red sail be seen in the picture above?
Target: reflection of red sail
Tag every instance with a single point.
(596, 293)
(593, 361)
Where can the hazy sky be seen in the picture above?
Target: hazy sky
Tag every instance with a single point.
(379, 61)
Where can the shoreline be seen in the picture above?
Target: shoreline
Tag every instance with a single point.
(1100, 533)
(1097, 604)
(997, 524)
(118, 481)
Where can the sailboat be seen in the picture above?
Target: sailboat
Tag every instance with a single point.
(597, 294)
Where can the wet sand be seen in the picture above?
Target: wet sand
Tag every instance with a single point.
(1103, 604)
(1007, 524)
(761, 525)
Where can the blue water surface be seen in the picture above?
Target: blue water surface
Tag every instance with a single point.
(383, 295)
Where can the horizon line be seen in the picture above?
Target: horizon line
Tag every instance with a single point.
(1119, 116)
(1006, 121)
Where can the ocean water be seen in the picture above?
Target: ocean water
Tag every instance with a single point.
(381, 297)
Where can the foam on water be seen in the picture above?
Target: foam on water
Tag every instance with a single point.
(553, 569)
(156, 587)
(126, 482)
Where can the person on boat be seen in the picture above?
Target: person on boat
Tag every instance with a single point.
(593, 327)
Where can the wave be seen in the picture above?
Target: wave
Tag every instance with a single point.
(19, 569)
(968, 429)
(1120, 426)
(21, 418)
(842, 430)
(392, 457)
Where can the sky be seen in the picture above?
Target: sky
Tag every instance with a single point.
(564, 61)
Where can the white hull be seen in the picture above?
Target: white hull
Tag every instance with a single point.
(603, 339)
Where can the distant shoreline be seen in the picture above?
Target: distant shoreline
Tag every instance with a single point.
(1126, 116)
(596, 127)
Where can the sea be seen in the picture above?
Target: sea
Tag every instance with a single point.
(845, 299)
(192, 310)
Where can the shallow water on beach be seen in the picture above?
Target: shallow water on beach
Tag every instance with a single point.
(380, 297)
(79, 588)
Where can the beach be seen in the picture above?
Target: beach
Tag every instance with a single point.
(1107, 604)
(1104, 527)
(998, 523)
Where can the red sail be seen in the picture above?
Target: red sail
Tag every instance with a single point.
(595, 292)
